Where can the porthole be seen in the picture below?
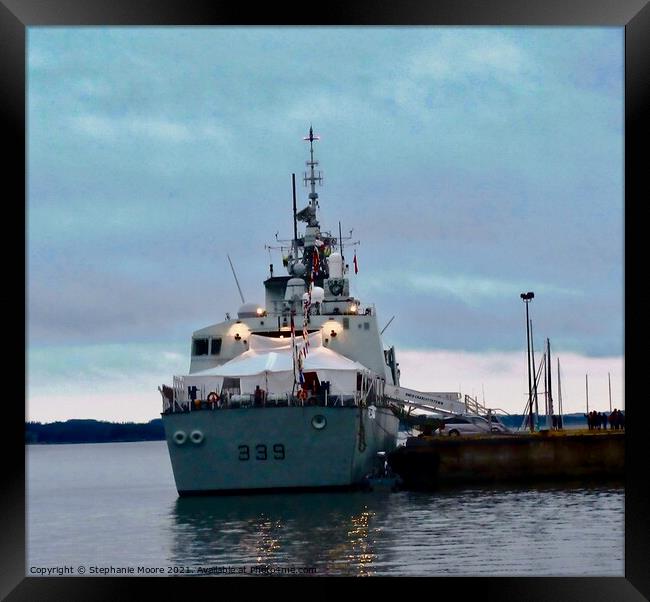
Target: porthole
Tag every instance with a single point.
(319, 422)
(180, 437)
(196, 437)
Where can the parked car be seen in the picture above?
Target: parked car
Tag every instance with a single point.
(469, 425)
(498, 425)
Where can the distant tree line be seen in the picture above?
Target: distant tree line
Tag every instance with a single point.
(93, 431)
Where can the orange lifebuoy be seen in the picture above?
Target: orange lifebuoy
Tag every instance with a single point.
(302, 394)
(213, 397)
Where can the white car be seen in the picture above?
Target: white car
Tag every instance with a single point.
(469, 425)
(497, 425)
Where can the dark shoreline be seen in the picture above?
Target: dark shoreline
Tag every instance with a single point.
(92, 431)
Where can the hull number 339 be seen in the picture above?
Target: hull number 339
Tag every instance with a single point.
(261, 452)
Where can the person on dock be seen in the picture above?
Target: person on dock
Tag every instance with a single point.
(590, 420)
(605, 420)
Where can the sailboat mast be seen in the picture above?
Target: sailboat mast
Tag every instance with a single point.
(545, 359)
(550, 380)
(609, 380)
(559, 393)
(532, 351)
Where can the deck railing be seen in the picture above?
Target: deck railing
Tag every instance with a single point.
(233, 399)
(179, 399)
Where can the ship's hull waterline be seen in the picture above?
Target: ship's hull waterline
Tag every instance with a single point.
(276, 448)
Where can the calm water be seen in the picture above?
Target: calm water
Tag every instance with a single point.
(114, 504)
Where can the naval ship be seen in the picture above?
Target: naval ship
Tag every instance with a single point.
(296, 394)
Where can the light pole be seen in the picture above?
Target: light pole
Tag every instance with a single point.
(527, 297)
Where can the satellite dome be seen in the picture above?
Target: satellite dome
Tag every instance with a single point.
(335, 263)
(295, 289)
(298, 269)
(249, 310)
(317, 294)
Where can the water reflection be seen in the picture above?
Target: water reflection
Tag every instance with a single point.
(361, 542)
(563, 529)
(474, 531)
(332, 532)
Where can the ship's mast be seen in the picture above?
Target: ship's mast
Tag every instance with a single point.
(294, 243)
(312, 177)
(308, 258)
(312, 265)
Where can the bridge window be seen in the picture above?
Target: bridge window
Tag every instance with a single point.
(200, 347)
(215, 346)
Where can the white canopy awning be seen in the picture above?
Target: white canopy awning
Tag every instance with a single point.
(269, 364)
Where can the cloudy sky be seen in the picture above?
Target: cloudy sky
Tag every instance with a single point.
(472, 163)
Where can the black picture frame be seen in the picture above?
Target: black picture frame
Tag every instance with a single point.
(634, 15)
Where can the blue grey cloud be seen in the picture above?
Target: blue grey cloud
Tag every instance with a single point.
(470, 161)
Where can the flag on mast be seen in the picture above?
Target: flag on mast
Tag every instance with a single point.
(356, 265)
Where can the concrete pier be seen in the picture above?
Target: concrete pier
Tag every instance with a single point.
(429, 462)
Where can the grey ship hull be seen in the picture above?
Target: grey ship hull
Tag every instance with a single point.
(276, 448)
